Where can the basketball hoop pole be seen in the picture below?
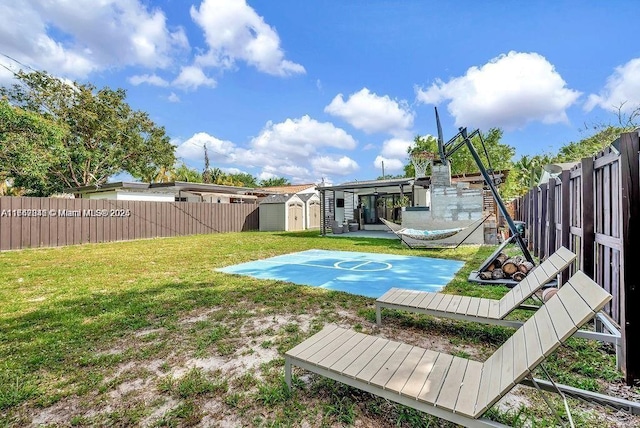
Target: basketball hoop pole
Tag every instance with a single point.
(443, 157)
(466, 140)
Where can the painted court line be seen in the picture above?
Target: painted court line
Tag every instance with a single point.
(357, 267)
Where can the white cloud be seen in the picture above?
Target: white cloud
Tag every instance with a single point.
(235, 32)
(193, 148)
(622, 90)
(393, 154)
(97, 35)
(266, 175)
(372, 113)
(300, 138)
(192, 77)
(508, 92)
(297, 173)
(75, 39)
(150, 79)
(396, 148)
(333, 165)
(390, 165)
(232, 170)
(173, 98)
(295, 148)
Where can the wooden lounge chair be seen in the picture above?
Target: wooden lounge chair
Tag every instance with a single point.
(456, 389)
(491, 311)
(477, 309)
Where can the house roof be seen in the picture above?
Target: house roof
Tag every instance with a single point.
(294, 188)
(306, 196)
(277, 199)
(235, 196)
(475, 177)
(171, 187)
(369, 184)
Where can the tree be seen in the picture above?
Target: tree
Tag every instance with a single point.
(30, 146)
(222, 178)
(525, 174)
(102, 135)
(527, 171)
(162, 175)
(421, 144)
(390, 176)
(246, 180)
(274, 182)
(184, 173)
(462, 162)
(604, 135)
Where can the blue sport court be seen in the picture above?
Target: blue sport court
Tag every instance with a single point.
(365, 274)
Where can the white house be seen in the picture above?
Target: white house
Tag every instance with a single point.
(178, 191)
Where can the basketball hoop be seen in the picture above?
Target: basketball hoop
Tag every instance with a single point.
(420, 161)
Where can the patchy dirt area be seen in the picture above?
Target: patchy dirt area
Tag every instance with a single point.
(216, 371)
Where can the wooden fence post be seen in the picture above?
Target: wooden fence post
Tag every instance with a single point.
(565, 228)
(630, 296)
(542, 218)
(535, 220)
(550, 241)
(530, 217)
(588, 234)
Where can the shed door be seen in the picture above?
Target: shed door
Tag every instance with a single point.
(314, 214)
(295, 217)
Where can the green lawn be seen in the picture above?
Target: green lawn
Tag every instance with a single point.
(146, 333)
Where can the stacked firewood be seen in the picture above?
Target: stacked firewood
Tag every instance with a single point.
(503, 266)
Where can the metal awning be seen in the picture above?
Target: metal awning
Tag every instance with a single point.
(225, 195)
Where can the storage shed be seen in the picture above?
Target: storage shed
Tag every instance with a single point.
(281, 212)
(311, 210)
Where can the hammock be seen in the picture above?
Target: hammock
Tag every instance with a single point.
(429, 235)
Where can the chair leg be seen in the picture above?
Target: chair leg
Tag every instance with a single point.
(287, 372)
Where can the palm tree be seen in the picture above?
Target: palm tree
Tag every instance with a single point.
(184, 173)
(275, 182)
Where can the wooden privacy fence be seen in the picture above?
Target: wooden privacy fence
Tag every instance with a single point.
(594, 210)
(52, 222)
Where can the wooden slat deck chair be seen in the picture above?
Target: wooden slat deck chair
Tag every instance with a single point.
(492, 311)
(477, 309)
(449, 387)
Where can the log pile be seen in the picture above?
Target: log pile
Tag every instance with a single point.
(505, 267)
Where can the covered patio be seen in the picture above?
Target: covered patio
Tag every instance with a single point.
(365, 202)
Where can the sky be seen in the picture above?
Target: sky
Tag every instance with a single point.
(337, 90)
